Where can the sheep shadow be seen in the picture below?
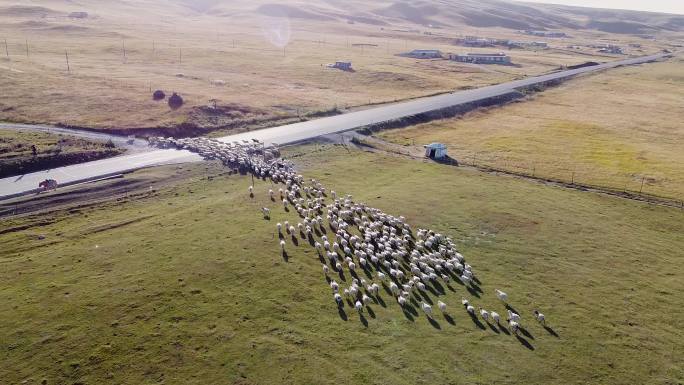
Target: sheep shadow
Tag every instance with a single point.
(387, 289)
(341, 274)
(551, 331)
(411, 310)
(368, 273)
(504, 330)
(477, 322)
(380, 301)
(473, 292)
(408, 316)
(287, 209)
(342, 313)
(511, 308)
(363, 320)
(272, 199)
(370, 311)
(526, 333)
(431, 290)
(280, 236)
(451, 288)
(438, 286)
(427, 298)
(317, 232)
(477, 281)
(524, 342)
(494, 328)
(267, 217)
(286, 257)
(295, 240)
(449, 319)
(320, 258)
(251, 195)
(434, 323)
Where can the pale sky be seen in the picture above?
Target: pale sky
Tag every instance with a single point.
(668, 6)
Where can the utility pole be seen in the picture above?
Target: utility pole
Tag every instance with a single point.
(66, 54)
(6, 50)
(27, 49)
(123, 48)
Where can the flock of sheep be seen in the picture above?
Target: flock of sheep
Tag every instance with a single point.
(363, 241)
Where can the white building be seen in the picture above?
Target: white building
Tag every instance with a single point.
(482, 58)
(436, 150)
(424, 53)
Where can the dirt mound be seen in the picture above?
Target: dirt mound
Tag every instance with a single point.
(621, 27)
(27, 11)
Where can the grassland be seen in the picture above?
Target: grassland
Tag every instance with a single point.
(51, 150)
(185, 284)
(260, 67)
(613, 129)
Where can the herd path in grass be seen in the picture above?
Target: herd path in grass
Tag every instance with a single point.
(361, 244)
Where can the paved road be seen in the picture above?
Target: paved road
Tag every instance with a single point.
(292, 133)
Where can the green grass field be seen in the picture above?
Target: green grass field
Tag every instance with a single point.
(615, 129)
(185, 284)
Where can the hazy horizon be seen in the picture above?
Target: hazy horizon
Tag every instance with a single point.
(666, 6)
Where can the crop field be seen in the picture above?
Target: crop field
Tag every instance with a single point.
(17, 157)
(257, 67)
(185, 283)
(618, 129)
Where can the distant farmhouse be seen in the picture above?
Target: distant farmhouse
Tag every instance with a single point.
(423, 54)
(342, 65)
(546, 33)
(527, 44)
(607, 48)
(482, 58)
(474, 41)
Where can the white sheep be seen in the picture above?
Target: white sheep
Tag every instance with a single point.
(365, 298)
(401, 300)
(251, 189)
(513, 316)
(470, 309)
(503, 297)
(325, 269)
(427, 309)
(540, 317)
(266, 211)
(513, 326)
(495, 317)
(282, 246)
(279, 227)
(338, 299)
(359, 306)
(334, 286)
(485, 314)
(442, 306)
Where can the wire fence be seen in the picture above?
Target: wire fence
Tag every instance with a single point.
(645, 185)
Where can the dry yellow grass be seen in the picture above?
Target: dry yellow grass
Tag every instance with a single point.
(612, 129)
(104, 89)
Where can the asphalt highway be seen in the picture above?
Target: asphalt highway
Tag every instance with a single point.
(293, 133)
